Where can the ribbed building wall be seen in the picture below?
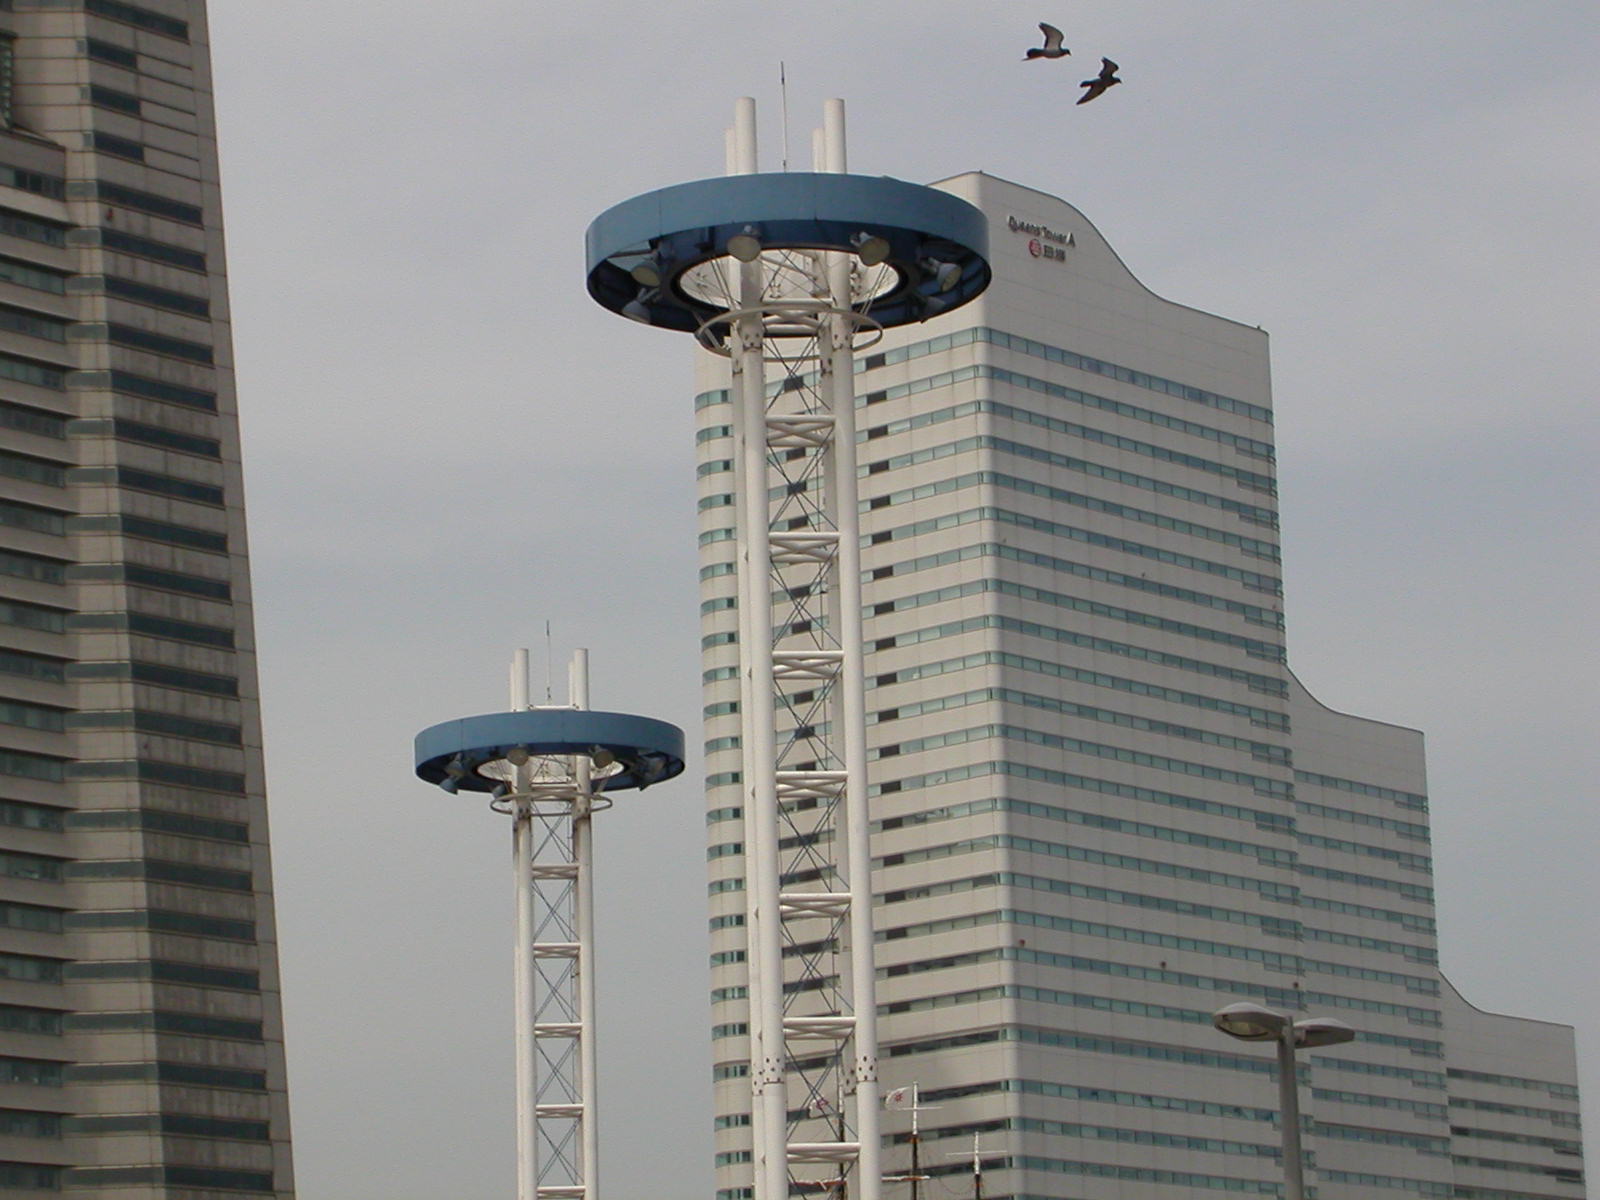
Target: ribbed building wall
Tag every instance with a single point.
(141, 1044)
(1103, 807)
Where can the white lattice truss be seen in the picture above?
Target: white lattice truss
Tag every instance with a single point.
(552, 806)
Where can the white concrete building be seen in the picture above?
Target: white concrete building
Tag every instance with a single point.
(141, 1044)
(1103, 808)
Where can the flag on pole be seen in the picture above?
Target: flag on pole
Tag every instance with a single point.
(900, 1097)
(819, 1106)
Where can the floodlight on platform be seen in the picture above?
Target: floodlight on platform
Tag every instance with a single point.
(945, 275)
(650, 271)
(871, 248)
(745, 245)
(638, 309)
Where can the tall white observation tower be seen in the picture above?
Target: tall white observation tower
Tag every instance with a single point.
(788, 276)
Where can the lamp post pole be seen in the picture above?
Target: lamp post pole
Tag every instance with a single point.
(1252, 1023)
(1289, 1105)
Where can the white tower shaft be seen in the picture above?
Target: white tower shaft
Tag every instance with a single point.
(802, 714)
(552, 856)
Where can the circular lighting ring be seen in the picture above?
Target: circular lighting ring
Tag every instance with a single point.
(805, 317)
(690, 224)
(648, 750)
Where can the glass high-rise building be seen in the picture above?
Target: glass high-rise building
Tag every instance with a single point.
(141, 1045)
(1103, 807)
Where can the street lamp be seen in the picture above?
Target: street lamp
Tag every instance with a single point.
(1252, 1023)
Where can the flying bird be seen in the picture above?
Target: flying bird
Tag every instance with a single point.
(1102, 81)
(1052, 47)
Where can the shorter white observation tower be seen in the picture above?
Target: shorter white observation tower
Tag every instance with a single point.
(551, 768)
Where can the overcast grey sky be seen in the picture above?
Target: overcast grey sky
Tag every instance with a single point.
(447, 444)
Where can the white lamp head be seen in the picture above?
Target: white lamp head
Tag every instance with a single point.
(1321, 1031)
(1250, 1022)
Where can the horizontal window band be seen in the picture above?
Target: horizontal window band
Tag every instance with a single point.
(25, 418)
(159, 723)
(21, 565)
(162, 920)
(154, 674)
(144, 624)
(164, 971)
(1058, 670)
(169, 1176)
(117, 56)
(23, 765)
(19, 814)
(144, 293)
(149, 530)
(1254, 613)
(31, 275)
(1254, 647)
(1002, 516)
(166, 1072)
(30, 324)
(39, 374)
(133, 338)
(117, 147)
(42, 1072)
(31, 228)
(24, 715)
(127, 197)
(160, 820)
(172, 1124)
(143, 247)
(39, 183)
(139, 575)
(139, 17)
(32, 469)
(148, 771)
(117, 101)
(32, 517)
(30, 968)
(36, 918)
(161, 871)
(147, 435)
(132, 384)
(1255, 547)
(155, 482)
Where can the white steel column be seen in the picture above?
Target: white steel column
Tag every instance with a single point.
(850, 688)
(583, 886)
(522, 959)
(763, 956)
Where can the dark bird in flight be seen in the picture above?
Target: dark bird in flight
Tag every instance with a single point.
(1052, 47)
(1102, 81)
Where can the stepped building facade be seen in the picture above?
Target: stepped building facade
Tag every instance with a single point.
(1102, 805)
(141, 1051)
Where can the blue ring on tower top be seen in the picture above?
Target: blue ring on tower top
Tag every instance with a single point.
(451, 753)
(638, 252)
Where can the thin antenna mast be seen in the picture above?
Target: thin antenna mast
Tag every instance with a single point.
(783, 92)
(549, 667)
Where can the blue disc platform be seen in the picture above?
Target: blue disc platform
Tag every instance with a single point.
(935, 244)
(450, 754)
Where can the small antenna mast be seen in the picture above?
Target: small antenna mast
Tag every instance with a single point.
(783, 92)
(549, 667)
